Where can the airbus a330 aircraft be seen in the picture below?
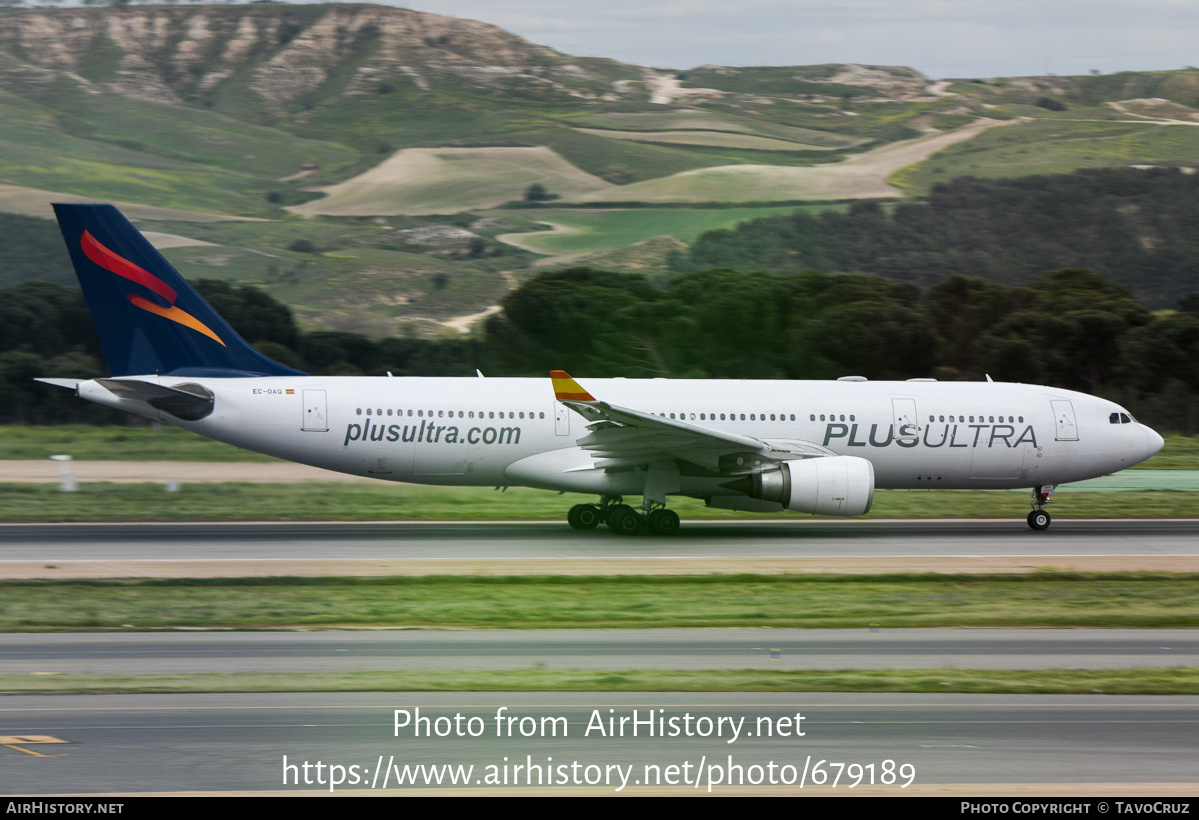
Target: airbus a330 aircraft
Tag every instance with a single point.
(814, 447)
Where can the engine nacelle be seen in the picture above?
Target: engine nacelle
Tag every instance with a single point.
(834, 485)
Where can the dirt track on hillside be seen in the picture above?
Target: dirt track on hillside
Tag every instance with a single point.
(859, 176)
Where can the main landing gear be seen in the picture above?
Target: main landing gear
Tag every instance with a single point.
(623, 519)
(1038, 519)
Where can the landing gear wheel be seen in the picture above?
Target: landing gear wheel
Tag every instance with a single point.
(583, 516)
(663, 522)
(623, 520)
(1039, 520)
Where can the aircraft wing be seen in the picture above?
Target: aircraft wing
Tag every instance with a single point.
(623, 437)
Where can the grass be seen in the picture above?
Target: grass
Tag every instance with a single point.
(1179, 453)
(359, 278)
(605, 230)
(716, 139)
(86, 443)
(1151, 681)
(732, 183)
(450, 180)
(1042, 599)
(862, 175)
(117, 148)
(697, 120)
(412, 502)
(1049, 145)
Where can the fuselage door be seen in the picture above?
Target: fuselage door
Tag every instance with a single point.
(561, 419)
(1066, 428)
(316, 419)
(904, 415)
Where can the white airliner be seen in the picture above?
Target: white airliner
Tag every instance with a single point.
(767, 446)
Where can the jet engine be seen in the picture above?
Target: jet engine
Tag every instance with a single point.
(833, 485)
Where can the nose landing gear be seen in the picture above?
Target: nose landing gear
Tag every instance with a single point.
(1038, 519)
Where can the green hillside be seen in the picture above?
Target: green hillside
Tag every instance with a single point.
(348, 126)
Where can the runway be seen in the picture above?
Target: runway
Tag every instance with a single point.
(932, 744)
(497, 548)
(173, 652)
(954, 744)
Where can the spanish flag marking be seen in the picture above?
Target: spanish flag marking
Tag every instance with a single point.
(567, 389)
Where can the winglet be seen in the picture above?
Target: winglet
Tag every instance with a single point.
(567, 389)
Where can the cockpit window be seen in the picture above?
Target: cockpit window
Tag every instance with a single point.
(1114, 418)
(1125, 418)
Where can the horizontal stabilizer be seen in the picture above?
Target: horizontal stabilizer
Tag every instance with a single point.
(190, 402)
(70, 384)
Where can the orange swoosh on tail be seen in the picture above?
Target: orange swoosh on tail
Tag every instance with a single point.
(176, 315)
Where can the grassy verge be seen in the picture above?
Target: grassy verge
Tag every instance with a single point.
(1045, 599)
(88, 443)
(1151, 681)
(410, 502)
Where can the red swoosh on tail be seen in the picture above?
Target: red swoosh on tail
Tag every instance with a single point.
(121, 266)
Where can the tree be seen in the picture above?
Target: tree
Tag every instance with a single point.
(538, 193)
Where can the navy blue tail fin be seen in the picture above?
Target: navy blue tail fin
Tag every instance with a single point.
(149, 319)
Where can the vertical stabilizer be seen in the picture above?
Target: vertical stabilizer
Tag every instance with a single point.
(149, 319)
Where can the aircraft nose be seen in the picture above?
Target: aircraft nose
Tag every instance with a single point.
(1153, 442)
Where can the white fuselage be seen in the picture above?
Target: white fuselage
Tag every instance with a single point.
(464, 431)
